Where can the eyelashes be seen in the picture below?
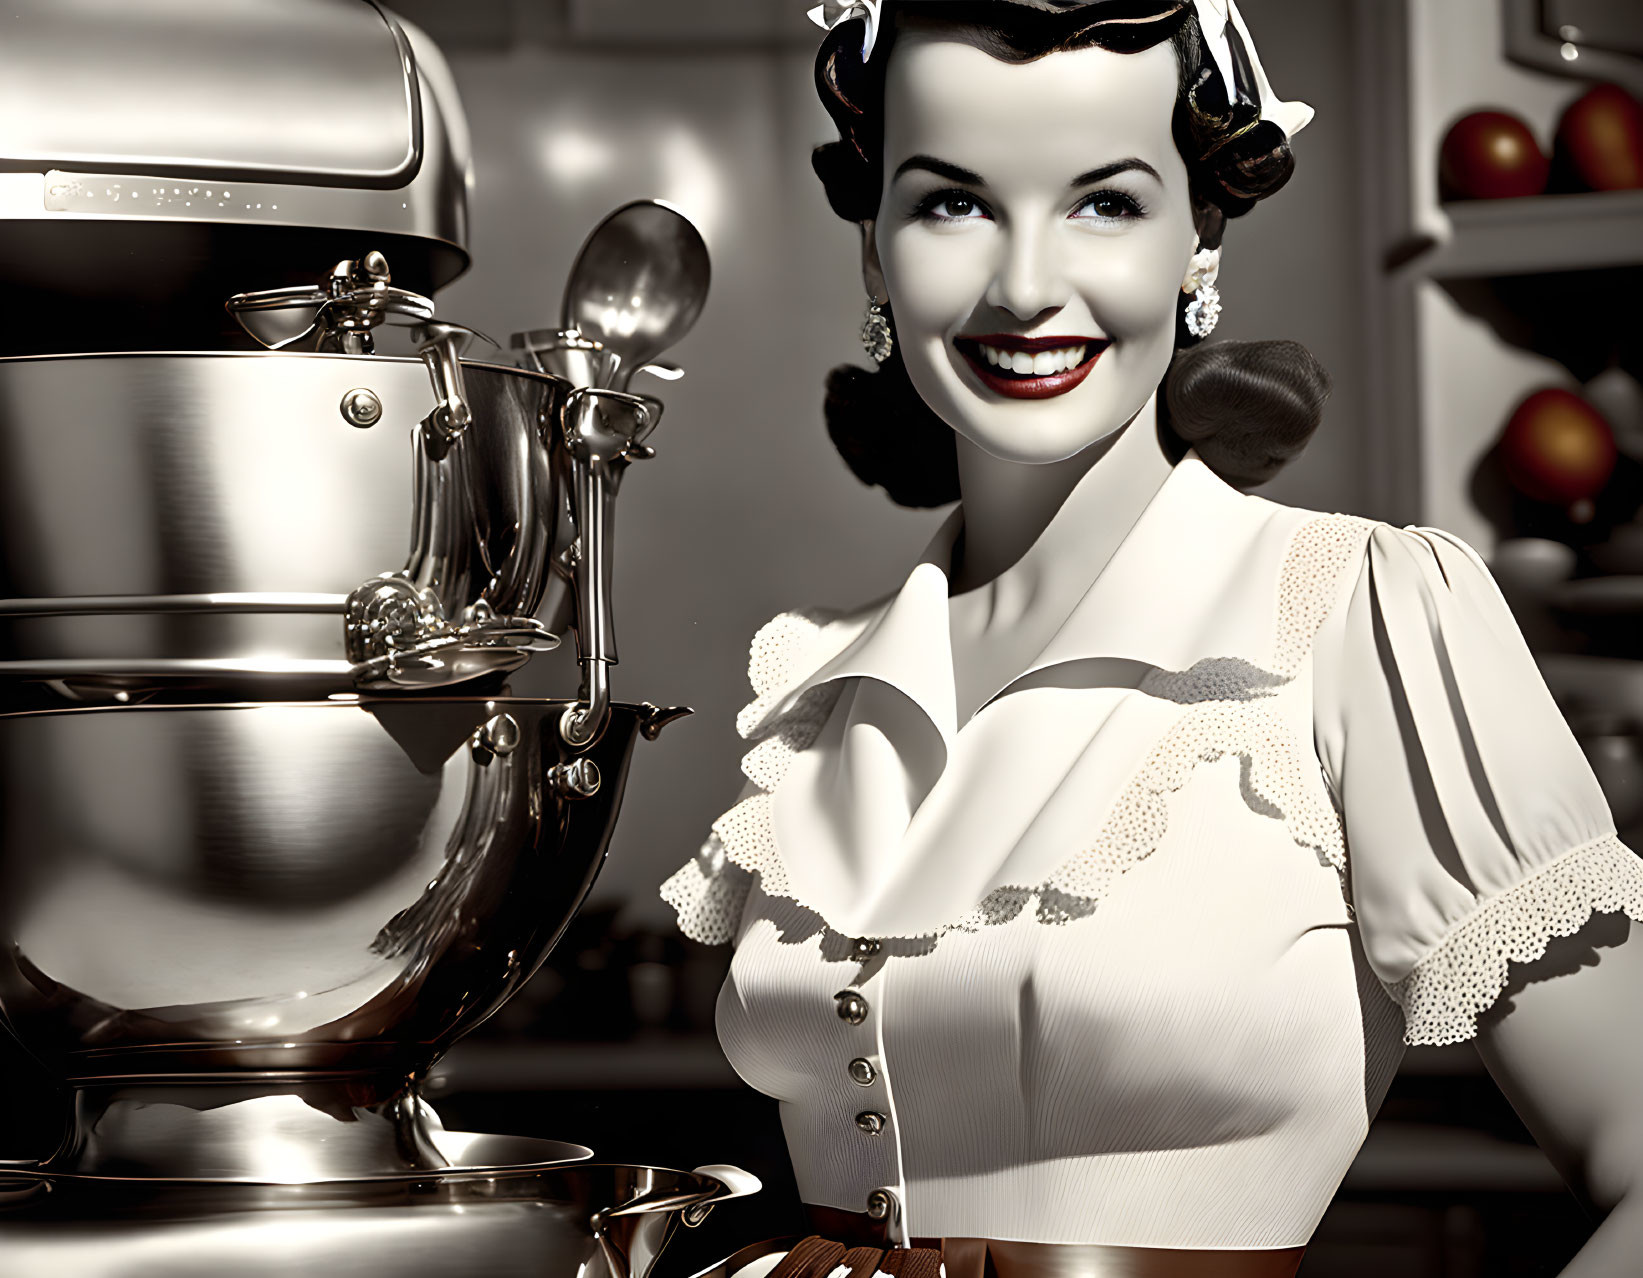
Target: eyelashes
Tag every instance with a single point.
(952, 205)
(960, 206)
(1128, 207)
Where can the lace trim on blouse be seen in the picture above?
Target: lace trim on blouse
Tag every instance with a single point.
(1447, 990)
(1225, 720)
(708, 892)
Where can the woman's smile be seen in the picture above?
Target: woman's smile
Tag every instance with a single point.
(1030, 367)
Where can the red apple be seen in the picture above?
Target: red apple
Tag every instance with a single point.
(1600, 140)
(1557, 448)
(1491, 155)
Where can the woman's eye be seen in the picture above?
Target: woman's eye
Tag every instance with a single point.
(1108, 206)
(951, 206)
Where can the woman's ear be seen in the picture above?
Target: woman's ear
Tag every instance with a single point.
(872, 274)
(1209, 222)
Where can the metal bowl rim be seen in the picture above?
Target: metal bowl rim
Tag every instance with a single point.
(705, 1181)
(471, 1171)
(552, 378)
(363, 701)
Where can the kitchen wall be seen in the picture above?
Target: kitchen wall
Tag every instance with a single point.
(578, 106)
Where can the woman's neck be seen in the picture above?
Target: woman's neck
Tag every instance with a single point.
(1009, 505)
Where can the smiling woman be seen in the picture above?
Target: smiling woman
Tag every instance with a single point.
(1041, 261)
(1137, 166)
(1086, 891)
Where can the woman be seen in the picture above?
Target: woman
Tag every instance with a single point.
(1086, 891)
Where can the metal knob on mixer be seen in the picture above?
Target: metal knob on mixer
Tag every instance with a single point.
(340, 313)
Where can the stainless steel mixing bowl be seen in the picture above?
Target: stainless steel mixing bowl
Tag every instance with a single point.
(234, 927)
(175, 514)
(507, 1219)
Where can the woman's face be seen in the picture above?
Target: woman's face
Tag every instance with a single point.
(1033, 237)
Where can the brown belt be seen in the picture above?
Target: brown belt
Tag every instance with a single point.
(856, 1240)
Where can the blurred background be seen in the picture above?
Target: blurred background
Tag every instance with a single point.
(1461, 245)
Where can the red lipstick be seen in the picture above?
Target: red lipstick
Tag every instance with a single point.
(1029, 385)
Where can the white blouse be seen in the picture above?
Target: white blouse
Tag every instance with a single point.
(1130, 957)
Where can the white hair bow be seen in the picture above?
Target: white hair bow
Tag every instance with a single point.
(829, 14)
(1216, 18)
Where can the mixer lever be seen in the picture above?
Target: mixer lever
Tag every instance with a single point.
(340, 312)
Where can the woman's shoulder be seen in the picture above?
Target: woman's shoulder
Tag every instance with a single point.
(786, 647)
(1406, 567)
(1310, 558)
(793, 645)
(1371, 535)
(1344, 573)
(1276, 531)
(1413, 570)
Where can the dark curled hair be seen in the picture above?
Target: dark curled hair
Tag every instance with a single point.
(1247, 407)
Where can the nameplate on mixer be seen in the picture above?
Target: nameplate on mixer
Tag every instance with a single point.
(134, 195)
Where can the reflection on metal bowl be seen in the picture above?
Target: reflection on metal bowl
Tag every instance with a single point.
(222, 506)
(213, 911)
(526, 1215)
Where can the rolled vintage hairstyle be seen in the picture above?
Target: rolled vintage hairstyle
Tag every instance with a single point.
(1247, 407)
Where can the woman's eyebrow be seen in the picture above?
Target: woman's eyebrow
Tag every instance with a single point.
(940, 168)
(1106, 171)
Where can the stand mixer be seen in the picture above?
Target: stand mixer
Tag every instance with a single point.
(275, 831)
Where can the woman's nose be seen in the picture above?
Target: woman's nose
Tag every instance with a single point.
(1029, 280)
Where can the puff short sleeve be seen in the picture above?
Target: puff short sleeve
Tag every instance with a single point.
(1475, 830)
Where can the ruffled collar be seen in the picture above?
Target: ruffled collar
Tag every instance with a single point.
(1168, 597)
(873, 811)
(884, 818)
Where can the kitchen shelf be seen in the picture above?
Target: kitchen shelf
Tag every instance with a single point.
(1537, 234)
(1470, 304)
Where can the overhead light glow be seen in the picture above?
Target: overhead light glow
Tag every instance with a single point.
(690, 180)
(573, 156)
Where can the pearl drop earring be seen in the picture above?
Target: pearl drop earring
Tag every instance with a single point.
(876, 337)
(1204, 311)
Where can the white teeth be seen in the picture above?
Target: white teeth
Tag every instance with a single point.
(1043, 364)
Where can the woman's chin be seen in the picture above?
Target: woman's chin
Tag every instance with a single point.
(1037, 432)
(1036, 443)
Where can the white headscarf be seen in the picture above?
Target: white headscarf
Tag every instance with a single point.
(829, 14)
(1216, 17)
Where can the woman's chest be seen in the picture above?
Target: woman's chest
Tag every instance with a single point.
(1219, 963)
